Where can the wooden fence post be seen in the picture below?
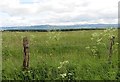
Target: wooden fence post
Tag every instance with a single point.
(26, 53)
(110, 48)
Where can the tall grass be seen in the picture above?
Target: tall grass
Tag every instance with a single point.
(72, 55)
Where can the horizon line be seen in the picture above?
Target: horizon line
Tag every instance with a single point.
(58, 24)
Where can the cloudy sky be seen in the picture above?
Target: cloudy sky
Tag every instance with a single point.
(57, 12)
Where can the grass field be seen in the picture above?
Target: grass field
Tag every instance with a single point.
(71, 55)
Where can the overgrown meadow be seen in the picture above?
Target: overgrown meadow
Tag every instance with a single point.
(70, 55)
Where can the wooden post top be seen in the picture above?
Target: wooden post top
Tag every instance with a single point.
(25, 42)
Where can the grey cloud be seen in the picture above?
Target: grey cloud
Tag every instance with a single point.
(58, 12)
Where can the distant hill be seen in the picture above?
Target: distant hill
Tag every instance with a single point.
(61, 27)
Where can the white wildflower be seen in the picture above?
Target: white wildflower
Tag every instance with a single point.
(70, 74)
(66, 62)
(88, 47)
(61, 63)
(117, 43)
(28, 71)
(50, 54)
(60, 67)
(95, 34)
(63, 75)
(99, 40)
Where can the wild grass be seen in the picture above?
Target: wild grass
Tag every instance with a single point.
(72, 55)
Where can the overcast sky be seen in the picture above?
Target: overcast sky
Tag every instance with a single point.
(57, 12)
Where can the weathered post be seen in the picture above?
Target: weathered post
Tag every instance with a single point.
(110, 48)
(26, 53)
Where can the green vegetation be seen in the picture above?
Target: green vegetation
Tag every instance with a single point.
(71, 55)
